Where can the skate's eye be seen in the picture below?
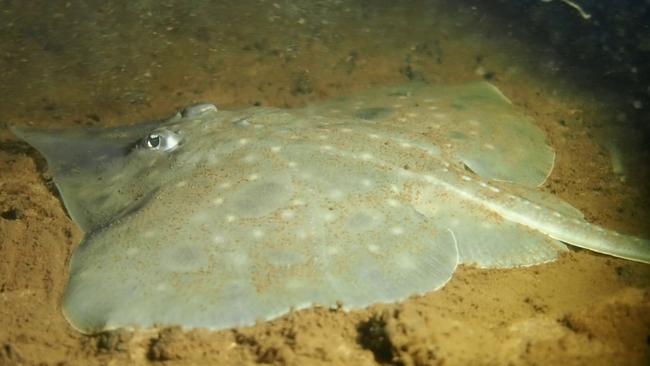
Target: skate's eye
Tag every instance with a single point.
(162, 140)
(153, 141)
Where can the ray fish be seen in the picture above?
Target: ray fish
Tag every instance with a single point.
(216, 219)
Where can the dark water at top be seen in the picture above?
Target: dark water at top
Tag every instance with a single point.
(113, 53)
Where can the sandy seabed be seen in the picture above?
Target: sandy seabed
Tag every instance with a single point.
(582, 309)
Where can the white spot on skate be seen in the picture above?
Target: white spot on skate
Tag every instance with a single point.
(329, 217)
(392, 202)
(335, 194)
(366, 156)
(372, 248)
(287, 214)
(397, 230)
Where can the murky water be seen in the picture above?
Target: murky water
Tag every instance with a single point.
(93, 63)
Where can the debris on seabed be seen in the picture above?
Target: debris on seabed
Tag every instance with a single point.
(577, 7)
